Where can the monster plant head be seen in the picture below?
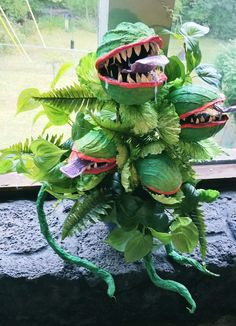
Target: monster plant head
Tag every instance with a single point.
(129, 63)
(200, 111)
(94, 153)
(159, 174)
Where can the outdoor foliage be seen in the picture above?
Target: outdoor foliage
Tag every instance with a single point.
(219, 15)
(226, 65)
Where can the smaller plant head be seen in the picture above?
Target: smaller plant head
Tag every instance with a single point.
(159, 174)
(200, 111)
(94, 153)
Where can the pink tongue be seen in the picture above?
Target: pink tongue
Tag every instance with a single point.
(147, 64)
(75, 168)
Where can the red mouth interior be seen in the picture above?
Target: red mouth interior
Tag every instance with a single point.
(111, 66)
(209, 115)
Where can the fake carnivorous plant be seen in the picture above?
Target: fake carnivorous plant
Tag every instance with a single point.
(137, 125)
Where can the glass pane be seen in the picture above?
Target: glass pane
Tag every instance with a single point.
(218, 48)
(67, 32)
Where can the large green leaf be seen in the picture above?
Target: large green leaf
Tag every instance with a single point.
(175, 69)
(138, 247)
(168, 124)
(152, 148)
(46, 154)
(26, 101)
(119, 238)
(127, 209)
(203, 150)
(163, 237)
(209, 74)
(6, 166)
(184, 234)
(208, 195)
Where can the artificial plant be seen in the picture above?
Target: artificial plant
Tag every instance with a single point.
(137, 125)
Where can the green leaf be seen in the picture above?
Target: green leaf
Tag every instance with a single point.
(204, 150)
(208, 196)
(87, 75)
(58, 104)
(209, 74)
(168, 125)
(119, 238)
(184, 234)
(127, 208)
(168, 200)
(85, 209)
(175, 69)
(122, 155)
(193, 55)
(126, 176)
(138, 247)
(47, 155)
(63, 69)
(6, 166)
(80, 127)
(197, 217)
(152, 148)
(193, 29)
(139, 118)
(163, 237)
(26, 101)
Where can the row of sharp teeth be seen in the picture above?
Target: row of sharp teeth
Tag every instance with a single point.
(139, 78)
(202, 118)
(151, 49)
(94, 165)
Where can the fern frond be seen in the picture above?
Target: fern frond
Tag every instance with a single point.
(86, 210)
(18, 148)
(68, 99)
(197, 217)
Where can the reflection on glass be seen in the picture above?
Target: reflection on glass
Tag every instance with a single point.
(68, 30)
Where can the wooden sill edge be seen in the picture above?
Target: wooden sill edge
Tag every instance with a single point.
(203, 172)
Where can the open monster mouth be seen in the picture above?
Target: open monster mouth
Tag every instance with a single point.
(134, 65)
(209, 115)
(82, 164)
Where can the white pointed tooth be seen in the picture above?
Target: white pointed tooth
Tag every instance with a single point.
(111, 74)
(210, 119)
(157, 48)
(144, 79)
(123, 55)
(197, 121)
(202, 119)
(120, 79)
(147, 47)
(149, 77)
(137, 49)
(191, 120)
(106, 63)
(95, 165)
(117, 56)
(153, 49)
(88, 167)
(130, 80)
(138, 78)
(129, 52)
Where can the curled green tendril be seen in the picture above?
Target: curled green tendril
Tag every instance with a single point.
(178, 258)
(168, 284)
(107, 277)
